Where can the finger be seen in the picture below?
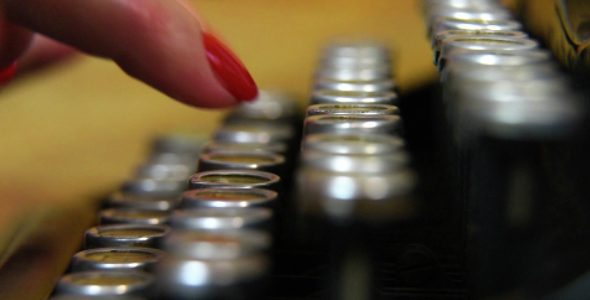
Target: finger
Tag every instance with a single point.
(156, 41)
(43, 52)
(14, 41)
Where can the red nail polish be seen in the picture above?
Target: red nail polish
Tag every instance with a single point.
(7, 74)
(230, 71)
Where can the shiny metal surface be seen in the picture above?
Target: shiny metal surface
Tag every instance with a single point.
(242, 160)
(485, 15)
(337, 96)
(235, 178)
(270, 105)
(134, 258)
(348, 197)
(357, 49)
(221, 218)
(81, 297)
(157, 171)
(384, 85)
(227, 197)
(106, 283)
(132, 216)
(352, 144)
(125, 235)
(443, 35)
(355, 73)
(188, 279)
(180, 143)
(143, 202)
(279, 148)
(154, 188)
(217, 244)
(254, 134)
(478, 43)
(443, 24)
(353, 124)
(355, 163)
(354, 108)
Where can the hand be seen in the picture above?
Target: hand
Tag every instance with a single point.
(159, 42)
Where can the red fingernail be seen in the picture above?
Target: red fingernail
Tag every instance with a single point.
(7, 74)
(230, 71)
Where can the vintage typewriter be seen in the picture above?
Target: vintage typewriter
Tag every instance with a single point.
(472, 188)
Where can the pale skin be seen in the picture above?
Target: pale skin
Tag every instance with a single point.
(156, 41)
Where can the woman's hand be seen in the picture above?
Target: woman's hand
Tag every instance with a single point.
(159, 42)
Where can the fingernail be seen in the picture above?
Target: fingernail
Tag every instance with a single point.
(230, 71)
(8, 73)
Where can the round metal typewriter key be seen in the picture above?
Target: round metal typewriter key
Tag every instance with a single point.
(357, 49)
(384, 85)
(125, 235)
(362, 73)
(347, 62)
(143, 202)
(143, 259)
(132, 216)
(229, 197)
(357, 197)
(355, 163)
(254, 134)
(236, 179)
(279, 148)
(221, 218)
(153, 187)
(242, 160)
(106, 283)
(270, 106)
(353, 144)
(81, 297)
(175, 172)
(169, 158)
(475, 16)
(348, 97)
(347, 109)
(353, 124)
(180, 143)
(443, 24)
(478, 43)
(232, 261)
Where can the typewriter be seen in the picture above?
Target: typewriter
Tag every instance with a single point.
(471, 188)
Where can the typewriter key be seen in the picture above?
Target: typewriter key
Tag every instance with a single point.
(479, 16)
(232, 261)
(229, 197)
(235, 178)
(81, 297)
(443, 35)
(443, 24)
(356, 196)
(106, 283)
(221, 218)
(357, 49)
(359, 163)
(242, 160)
(125, 235)
(132, 216)
(383, 85)
(169, 158)
(362, 73)
(142, 259)
(174, 172)
(476, 43)
(354, 144)
(347, 109)
(279, 148)
(353, 124)
(270, 106)
(180, 143)
(347, 62)
(348, 97)
(466, 58)
(153, 187)
(143, 202)
(254, 134)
